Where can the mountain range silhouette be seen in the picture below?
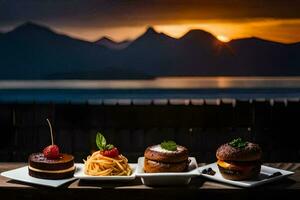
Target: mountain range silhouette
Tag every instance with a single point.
(33, 51)
(109, 43)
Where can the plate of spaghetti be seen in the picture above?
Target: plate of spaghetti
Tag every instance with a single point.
(105, 164)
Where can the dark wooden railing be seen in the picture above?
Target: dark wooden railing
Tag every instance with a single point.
(200, 124)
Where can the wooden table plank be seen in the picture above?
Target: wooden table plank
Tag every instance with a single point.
(205, 184)
(136, 190)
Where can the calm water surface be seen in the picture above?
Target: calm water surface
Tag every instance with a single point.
(81, 91)
(160, 83)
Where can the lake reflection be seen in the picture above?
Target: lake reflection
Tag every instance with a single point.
(160, 83)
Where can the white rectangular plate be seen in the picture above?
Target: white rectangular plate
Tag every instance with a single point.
(168, 178)
(262, 179)
(81, 175)
(21, 174)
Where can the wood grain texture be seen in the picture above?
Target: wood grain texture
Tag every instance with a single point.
(198, 186)
(292, 182)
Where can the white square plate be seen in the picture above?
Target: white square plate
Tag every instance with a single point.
(21, 174)
(262, 179)
(168, 178)
(81, 175)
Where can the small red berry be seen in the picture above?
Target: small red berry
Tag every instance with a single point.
(114, 152)
(51, 152)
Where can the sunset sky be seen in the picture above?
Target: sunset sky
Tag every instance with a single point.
(120, 19)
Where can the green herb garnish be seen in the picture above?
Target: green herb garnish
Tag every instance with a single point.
(101, 142)
(238, 143)
(169, 145)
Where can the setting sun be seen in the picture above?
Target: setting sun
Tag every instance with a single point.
(223, 38)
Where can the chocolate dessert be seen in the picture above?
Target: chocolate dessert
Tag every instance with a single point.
(42, 167)
(166, 157)
(51, 164)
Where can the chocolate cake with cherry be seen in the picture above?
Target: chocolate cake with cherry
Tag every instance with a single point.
(51, 164)
(49, 168)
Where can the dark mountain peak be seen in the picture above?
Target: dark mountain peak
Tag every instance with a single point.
(253, 41)
(198, 34)
(151, 37)
(152, 34)
(254, 38)
(108, 42)
(150, 31)
(30, 24)
(108, 39)
(31, 27)
(31, 31)
(104, 38)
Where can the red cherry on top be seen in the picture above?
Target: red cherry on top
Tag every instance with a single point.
(51, 152)
(114, 152)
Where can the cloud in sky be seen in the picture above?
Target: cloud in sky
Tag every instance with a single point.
(90, 19)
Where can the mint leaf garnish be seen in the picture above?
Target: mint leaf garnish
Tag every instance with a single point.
(238, 143)
(100, 141)
(169, 145)
(109, 146)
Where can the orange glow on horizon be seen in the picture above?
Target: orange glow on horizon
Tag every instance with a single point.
(284, 30)
(281, 30)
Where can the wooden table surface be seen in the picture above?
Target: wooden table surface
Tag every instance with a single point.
(136, 190)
